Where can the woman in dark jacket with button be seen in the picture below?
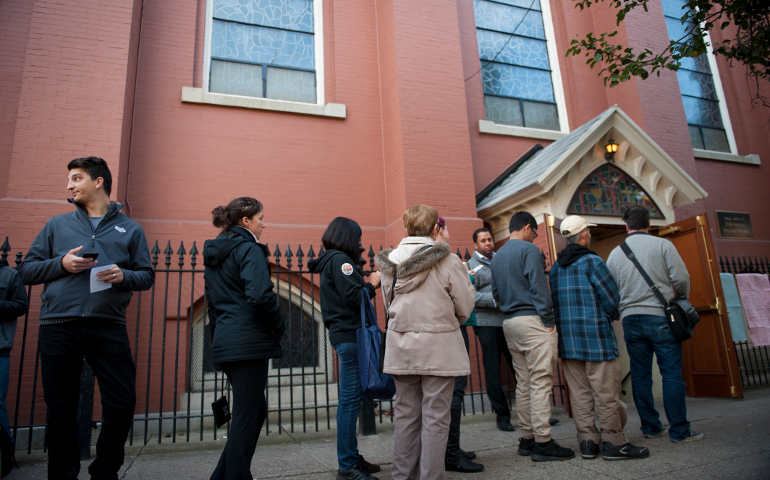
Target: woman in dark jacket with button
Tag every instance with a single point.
(342, 280)
(247, 327)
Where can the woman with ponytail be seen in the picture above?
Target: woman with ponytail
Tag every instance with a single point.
(245, 323)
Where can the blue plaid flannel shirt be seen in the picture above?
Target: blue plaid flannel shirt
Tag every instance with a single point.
(585, 302)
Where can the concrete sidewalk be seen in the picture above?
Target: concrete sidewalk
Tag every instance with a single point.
(737, 445)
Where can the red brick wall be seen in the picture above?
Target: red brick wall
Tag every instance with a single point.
(407, 72)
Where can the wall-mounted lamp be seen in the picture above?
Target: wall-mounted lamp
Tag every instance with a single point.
(610, 149)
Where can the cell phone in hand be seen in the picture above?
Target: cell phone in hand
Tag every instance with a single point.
(91, 255)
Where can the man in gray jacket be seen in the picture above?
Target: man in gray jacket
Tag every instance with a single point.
(645, 327)
(78, 321)
(489, 326)
(519, 287)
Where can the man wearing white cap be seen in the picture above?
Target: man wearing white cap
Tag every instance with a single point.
(585, 300)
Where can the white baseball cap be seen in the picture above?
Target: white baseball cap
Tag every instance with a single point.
(574, 224)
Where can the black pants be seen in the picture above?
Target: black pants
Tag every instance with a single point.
(460, 382)
(249, 411)
(105, 347)
(493, 345)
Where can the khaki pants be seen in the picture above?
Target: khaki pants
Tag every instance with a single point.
(421, 426)
(533, 349)
(594, 391)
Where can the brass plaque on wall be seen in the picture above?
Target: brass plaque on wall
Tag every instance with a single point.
(734, 224)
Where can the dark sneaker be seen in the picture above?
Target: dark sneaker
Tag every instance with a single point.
(525, 446)
(470, 455)
(504, 423)
(550, 451)
(553, 421)
(464, 465)
(692, 437)
(589, 449)
(366, 467)
(353, 474)
(623, 452)
(657, 434)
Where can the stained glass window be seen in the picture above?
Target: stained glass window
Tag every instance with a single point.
(696, 84)
(263, 48)
(515, 71)
(608, 191)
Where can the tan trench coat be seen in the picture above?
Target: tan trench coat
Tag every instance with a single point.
(433, 296)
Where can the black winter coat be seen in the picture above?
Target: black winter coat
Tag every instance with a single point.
(341, 282)
(243, 309)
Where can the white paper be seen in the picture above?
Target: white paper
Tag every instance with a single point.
(96, 284)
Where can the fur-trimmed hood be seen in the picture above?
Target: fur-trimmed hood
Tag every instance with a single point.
(412, 271)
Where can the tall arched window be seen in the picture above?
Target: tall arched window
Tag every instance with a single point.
(517, 73)
(607, 191)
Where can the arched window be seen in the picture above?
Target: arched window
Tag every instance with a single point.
(607, 191)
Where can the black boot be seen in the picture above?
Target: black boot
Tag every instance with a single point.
(454, 460)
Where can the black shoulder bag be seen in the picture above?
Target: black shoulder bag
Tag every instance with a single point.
(680, 313)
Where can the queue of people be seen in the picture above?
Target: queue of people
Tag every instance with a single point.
(94, 257)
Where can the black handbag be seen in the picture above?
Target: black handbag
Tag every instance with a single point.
(221, 410)
(680, 313)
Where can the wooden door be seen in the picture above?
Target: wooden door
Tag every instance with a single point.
(709, 362)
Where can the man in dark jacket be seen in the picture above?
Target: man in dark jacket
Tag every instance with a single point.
(83, 315)
(13, 304)
(585, 301)
(520, 289)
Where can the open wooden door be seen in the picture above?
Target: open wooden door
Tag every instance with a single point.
(709, 363)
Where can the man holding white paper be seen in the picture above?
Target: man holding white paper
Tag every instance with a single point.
(83, 315)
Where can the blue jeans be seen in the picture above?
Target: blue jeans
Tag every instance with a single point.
(5, 366)
(645, 334)
(348, 405)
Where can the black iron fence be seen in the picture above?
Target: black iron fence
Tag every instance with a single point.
(176, 382)
(753, 361)
(744, 265)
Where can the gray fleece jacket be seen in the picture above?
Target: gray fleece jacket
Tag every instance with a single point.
(662, 263)
(117, 239)
(487, 313)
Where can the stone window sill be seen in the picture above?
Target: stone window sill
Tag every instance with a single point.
(487, 126)
(197, 95)
(751, 159)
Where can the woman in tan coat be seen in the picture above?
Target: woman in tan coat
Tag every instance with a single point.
(424, 348)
